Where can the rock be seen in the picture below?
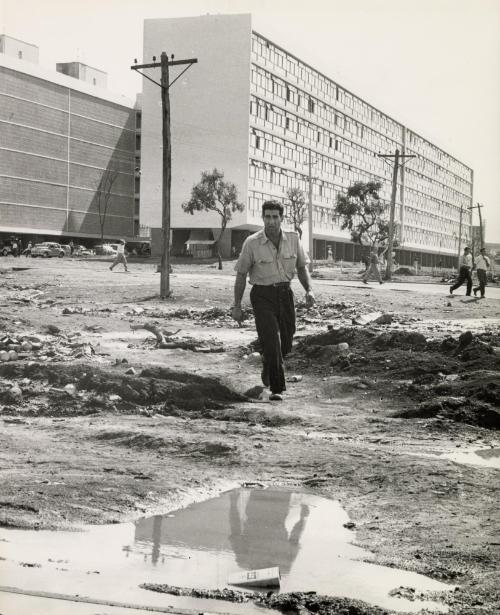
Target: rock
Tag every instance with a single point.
(53, 330)
(26, 346)
(131, 371)
(385, 319)
(4, 356)
(350, 525)
(295, 378)
(14, 394)
(13, 356)
(254, 392)
(70, 389)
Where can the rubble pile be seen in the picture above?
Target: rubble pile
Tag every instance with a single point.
(68, 389)
(451, 377)
(46, 348)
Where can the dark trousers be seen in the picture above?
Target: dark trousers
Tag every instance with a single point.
(274, 312)
(464, 275)
(481, 278)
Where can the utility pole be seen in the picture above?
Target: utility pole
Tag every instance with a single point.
(310, 215)
(165, 84)
(460, 237)
(481, 238)
(390, 240)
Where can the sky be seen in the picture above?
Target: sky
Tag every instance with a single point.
(433, 65)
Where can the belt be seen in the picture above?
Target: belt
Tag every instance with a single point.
(275, 285)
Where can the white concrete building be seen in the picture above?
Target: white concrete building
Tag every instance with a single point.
(256, 112)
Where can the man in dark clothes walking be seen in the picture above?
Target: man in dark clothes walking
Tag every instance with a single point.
(270, 257)
(464, 273)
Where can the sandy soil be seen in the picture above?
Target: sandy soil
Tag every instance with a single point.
(83, 441)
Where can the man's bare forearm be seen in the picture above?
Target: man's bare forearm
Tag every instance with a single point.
(239, 288)
(304, 278)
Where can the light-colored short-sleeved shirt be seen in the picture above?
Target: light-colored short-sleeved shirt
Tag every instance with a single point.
(467, 260)
(120, 248)
(267, 265)
(482, 262)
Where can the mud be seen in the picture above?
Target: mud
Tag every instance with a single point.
(295, 602)
(120, 446)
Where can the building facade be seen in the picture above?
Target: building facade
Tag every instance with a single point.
(67, 153)
(272, 122)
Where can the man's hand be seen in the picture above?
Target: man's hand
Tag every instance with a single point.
(237, 313)
(310, 299)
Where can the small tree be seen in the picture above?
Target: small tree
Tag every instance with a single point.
(363, 213)
(296, 212)
(103, 194)
(212, 193)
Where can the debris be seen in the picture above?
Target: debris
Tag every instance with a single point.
(160, 334)
(265, 577)
(131, 371)
(366, 318)
(350, 525)
(295, 378)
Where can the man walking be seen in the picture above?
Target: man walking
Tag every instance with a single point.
(270, 257)
(120, 255)
(373, 268)
(464, 273)
(482, 264)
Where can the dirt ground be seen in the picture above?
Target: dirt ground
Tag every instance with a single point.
(105, 421)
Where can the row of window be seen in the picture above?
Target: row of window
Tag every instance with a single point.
(322, 112)
(420, 146)
(294, 127)
(318, 85)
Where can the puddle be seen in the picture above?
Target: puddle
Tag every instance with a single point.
(485, 457)
(199, 546)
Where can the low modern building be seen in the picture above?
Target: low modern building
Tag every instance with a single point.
(261, 115)
(67, 151)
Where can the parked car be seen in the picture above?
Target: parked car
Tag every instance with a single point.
(5, 249)
(105, 249)
(67, 249)
(82, 251)
(47, 249)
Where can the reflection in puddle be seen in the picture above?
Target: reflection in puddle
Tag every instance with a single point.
(199, 546)
(487, 457)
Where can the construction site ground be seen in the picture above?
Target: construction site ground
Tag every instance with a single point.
(104, 420)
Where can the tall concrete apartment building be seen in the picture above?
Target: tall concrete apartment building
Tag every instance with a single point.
(257, 112)
(65, 146)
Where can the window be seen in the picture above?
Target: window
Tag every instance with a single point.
(94, 81)
(20, 54)
(310, 105)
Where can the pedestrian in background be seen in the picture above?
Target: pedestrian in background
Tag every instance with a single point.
(27, 252)
(120, 255)
(270, 257)
(373, 268)
(464, 272)
(482, 265)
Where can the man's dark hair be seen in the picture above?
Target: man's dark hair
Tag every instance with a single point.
(272, 205)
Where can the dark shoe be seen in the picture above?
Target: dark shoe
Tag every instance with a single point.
(451, 292)
(475, 292)
(365, 282)
(380, 282)
(276, 397)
